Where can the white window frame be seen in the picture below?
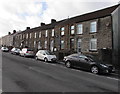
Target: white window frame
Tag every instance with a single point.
(72, 29)
(34, 43)
(53, 32)
(80, 29)
(62, 31)
(93, 25)
(52, 45)
(45, 44)
(62, 44)
(35, 35)
(79, 43)
(40, 34)
(30, 35)
(46, 33)
(39, 45)
(26, 36)
(95, 46)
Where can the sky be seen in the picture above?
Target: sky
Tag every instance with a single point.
(19, 14)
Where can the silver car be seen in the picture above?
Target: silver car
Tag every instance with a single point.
(27, 52)
(15, 51)
(46, 55)
(4, 49)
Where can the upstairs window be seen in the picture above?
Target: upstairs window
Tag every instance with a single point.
(93, 44)
(72, 30)
(26, 36)
(93, 27)
(39, 34)
(62, 31)
(30, 35)
(53, 32)
(35, 35)
(79, 29)
(46, 33)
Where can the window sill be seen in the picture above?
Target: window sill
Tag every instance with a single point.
(93, 50)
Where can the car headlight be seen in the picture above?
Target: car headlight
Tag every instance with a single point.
(104, 66)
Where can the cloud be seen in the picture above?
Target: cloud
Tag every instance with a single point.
(19, 14)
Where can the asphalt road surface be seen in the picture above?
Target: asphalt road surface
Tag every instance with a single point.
(20, 74)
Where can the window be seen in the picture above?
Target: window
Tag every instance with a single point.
(21, 36)
(71, 43)
(52, 45)
(46, 33)
(53, 32)
(72, 31)
(93, 27)
(30, 35)
(93, 44)
(35, 34)
(39, 45)
(39, 34)
(34, 43)
(62, 31)
(26, 36)
(45, 44)
(79, 45)
(79, 29)
(62, 44)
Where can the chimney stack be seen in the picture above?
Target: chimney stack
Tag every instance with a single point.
(42, 24)
(53, 20)
(9, 33)
(14, 31)
(27, 28)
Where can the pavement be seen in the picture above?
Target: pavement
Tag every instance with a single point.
(20, 74)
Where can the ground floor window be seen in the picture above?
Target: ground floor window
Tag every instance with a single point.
(79, 42)
(39, 45)
(72, 43)
(93, 44)
(34, 43)
(52, 45)
(62, 44)
(45, 44)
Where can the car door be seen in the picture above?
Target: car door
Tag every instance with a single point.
(83, 62)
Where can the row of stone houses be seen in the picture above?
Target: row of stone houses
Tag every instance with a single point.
(88, 33)
(8, 40)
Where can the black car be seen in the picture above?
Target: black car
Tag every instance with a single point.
(87, 63)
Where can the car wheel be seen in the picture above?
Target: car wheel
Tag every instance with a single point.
(94, 69)
(68, 64)
(46, 60)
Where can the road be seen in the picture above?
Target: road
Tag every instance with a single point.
(20, 74)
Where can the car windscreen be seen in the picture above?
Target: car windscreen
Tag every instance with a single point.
(48, 53)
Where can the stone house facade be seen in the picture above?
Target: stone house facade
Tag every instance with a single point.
(87, 33)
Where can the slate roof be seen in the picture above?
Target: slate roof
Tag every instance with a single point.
(85, 17)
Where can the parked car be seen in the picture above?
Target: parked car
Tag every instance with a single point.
(15, 51)
(46, 55)
(89, 63)
(26, 52)
(4, 49)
